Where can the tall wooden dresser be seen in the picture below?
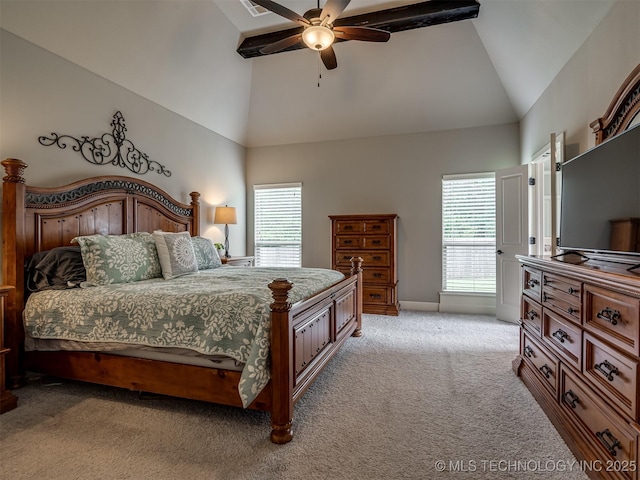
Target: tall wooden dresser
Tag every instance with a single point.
(580, 357)
(372, 237)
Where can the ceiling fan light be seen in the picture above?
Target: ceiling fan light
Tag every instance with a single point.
(318, 37)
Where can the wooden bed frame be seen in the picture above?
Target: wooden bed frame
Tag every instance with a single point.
(37, 219)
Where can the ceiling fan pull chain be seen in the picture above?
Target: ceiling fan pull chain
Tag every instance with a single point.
(319, 68)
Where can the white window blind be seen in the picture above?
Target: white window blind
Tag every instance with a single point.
(278, 225)
(469, 233)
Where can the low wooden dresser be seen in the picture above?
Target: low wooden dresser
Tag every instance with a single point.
(7, 400)
(580, 357)
(372, 237)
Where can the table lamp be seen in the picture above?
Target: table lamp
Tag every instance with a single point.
(226, 215)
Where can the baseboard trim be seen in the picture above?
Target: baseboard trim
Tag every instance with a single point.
(484, 304)
(419, 306)
(466, 305)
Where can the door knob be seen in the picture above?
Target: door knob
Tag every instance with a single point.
(499, 252)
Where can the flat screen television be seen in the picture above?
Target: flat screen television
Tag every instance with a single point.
(600, 197)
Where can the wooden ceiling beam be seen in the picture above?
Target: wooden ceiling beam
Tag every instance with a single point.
(397, 19)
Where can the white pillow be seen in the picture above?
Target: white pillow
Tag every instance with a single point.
(175, 251)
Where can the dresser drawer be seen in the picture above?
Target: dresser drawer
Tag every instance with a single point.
(607, 431)
(376, 241)
(544, 362)
(562, 294)
(377, 226)
(557, 295)
(531, 315)
(369, 259)
(376, 275)
(614, 316)
(348, 226)
(371, 294)
(613, 373)
(564, 337)
(366, 241)
(349, 241)
(562, 286)
(532, 283)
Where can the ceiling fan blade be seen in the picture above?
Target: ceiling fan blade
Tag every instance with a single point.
(366, 34)
(328, 57)
(282, 11)
(281, 44)
(333, 9)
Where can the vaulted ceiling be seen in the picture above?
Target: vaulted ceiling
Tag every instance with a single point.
(182, 55)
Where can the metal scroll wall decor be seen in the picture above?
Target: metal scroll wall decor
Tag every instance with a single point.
(109, 149)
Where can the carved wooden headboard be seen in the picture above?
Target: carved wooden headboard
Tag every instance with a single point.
(623, 111)
(40, 218)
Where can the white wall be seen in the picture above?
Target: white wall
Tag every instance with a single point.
(43, 93)
(581, 92)
(391, 174)
(178, 54)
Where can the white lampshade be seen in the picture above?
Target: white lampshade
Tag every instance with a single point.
(318, 37)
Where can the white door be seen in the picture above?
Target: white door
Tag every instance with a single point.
(511, 238)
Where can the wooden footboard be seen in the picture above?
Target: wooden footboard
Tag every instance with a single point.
(304, 335)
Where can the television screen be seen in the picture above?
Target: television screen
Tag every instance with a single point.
(600, 199)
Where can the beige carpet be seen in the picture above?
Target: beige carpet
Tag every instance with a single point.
(415, 390)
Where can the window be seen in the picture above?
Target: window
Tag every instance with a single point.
(469, 233)
(278, 225)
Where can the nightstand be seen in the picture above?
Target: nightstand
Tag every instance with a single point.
(239, 261)
(7, 400)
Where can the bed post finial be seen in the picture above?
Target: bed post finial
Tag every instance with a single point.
(14, 168)
(356, 265)
(280, 290)
(282, 374)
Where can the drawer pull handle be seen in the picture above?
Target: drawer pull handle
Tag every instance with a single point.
(347, 257)
(375, 295)
(609, 315)
(377, 227)
(528, 351)
(571, 310)
(607, 370)
(531, 314)
(611, 447)
(377, 275)
(545, 297)
(377, 257)
(348, 242)
(532, 283)
(376, 242)
(572, 290)
(560, 335)
(348, 227)
(571, 398)
(546, 370)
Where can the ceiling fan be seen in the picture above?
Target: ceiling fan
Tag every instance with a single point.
(319, 30)
(371, 26)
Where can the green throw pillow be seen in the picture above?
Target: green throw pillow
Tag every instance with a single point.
(119, 258)
(206, 253)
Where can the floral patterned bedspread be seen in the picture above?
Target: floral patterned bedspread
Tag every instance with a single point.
(223, 311)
